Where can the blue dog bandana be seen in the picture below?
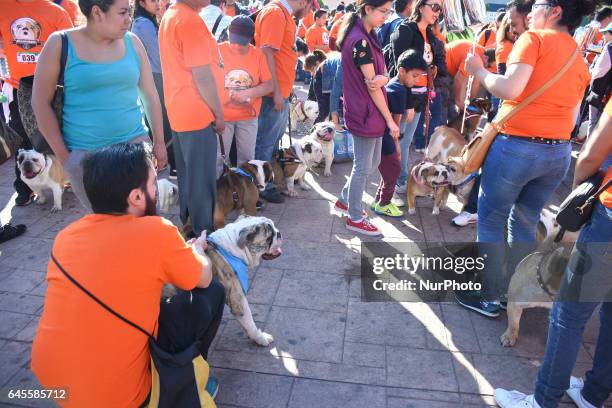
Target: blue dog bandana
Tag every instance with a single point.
(238, 265)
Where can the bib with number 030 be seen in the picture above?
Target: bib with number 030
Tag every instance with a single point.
(27, 57)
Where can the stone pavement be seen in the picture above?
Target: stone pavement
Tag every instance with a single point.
(330, 349)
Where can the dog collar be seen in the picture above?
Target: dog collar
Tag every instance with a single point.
(241, 172)
(239, 267)
(466, 180)
(302, 109)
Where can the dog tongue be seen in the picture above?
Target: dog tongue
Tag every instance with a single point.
(272, 255)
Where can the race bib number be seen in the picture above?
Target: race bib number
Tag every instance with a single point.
(27, 57)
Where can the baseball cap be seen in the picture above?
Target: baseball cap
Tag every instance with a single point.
(608, 28)
(241, 30)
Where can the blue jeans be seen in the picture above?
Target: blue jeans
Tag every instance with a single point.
(472, 204)
(407, 129)
(567, 321)
(518, 178)
(437, 119)
(271, 128)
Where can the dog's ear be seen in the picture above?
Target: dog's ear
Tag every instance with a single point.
(313, 128)
(247, 235)
(249, 168)
(268, 172)
(308, 147)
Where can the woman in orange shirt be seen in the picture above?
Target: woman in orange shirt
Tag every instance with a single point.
(504, 40)
(531, 156)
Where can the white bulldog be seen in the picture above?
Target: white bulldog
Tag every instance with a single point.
(323, 132)
(41, 171)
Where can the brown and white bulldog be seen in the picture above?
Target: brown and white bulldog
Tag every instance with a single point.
(291, 163)
(448, 141)
(302, 111)
(40, 172)
(427, 179)
(323, 132)
(238, 189)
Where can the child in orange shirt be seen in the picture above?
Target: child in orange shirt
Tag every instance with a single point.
(317, 36)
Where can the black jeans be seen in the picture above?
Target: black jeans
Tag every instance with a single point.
(15, 123)
(189, 316)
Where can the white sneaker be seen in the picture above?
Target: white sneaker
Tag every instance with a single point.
(401, 189)
(575, 393)
(398, 200)
(464, 219)
(514, 399)
(420, 151)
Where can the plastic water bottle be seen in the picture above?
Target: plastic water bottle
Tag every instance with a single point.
(4, 68)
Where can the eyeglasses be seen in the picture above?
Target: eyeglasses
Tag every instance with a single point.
(436, 8)
(536, 5)
(384, 11)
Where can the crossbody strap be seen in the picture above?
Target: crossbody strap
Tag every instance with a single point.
(98, 301)
(499, 123)
(217, 21)
(63, 57)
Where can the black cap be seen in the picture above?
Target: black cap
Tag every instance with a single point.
(241, 30)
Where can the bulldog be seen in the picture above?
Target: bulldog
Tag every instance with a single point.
(448, 140)
(238, 189)
(41, 171)
(460, 184)
(427, 179)
(301, 111)
(323, 132)
(247, 241)
(537, 278)
(291, 163)
(168, 194)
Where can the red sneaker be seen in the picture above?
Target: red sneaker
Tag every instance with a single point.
(363, 226)
(343, 208)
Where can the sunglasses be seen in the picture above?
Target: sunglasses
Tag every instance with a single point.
(436, 8)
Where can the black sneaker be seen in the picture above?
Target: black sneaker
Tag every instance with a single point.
(9, 231)
(272, 196)
(260, 205)
(475, 302)
(24, 199)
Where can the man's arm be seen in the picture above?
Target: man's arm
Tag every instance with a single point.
(203, 78)
(279, 102)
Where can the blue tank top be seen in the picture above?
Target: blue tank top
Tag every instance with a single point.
(101, 101)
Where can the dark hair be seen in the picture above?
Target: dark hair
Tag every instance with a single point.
(400, 5)
(351, 8)
(522, 7)
(416, 11)
(139, 11)
(340, 7)
(603, 13)
(301, 46)
(500, 16)
(574, 11)
(313, 59)
(319, 13)
(217, 2)
(111, 173)
(490, 54)
(87, 5)
(410, 59)
(349, 23)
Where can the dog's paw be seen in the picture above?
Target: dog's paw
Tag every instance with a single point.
(56, 208)
(327, 173)
(292, 193)
(411, 211)
(435, 211)
(507, 339)
(263, 339)
(305, 187)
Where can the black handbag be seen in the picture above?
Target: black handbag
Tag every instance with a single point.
(576, 209)
(178, 380)
(24, 99)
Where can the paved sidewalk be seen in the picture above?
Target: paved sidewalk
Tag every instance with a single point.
(330, 349)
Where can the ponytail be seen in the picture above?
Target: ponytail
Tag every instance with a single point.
(347, 25)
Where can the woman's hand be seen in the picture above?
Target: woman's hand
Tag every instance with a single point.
(473, 63)
(161, 156)
(200, 244)
(377, 82)
(394, 130)
(242, 96)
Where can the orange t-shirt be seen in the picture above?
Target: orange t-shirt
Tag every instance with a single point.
(305, 24)
(241, 72)
(124, 261)
(24, 28)
(551, 115)
(502, 51)
(275, 28)
(317, 38)
(606, 196)
(185, 43)
(456, 53)
(335, 29)
(490, 42)
(72, 9)
(428, 57)
(337, 16)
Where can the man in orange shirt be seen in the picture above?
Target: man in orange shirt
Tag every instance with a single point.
(123, 254)
(456, 53)
(25, 26)
(189, 58)
(317, 36)
(275, 35)
(335, 29)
